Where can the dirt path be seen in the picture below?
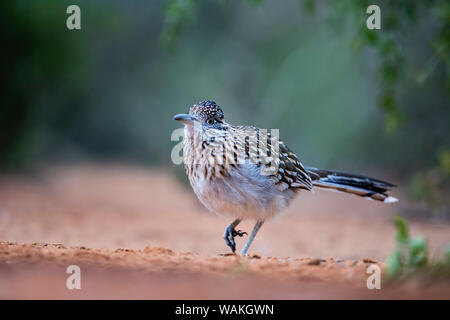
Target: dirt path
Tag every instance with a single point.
(93, 211)
(39, 271)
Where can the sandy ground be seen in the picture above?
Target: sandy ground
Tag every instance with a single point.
(138, 233)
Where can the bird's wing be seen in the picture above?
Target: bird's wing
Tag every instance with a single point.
(269, 153)
(291, 172)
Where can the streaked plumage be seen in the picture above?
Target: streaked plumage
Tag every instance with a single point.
(246, 172)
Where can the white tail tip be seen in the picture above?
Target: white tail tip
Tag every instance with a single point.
(390, 200)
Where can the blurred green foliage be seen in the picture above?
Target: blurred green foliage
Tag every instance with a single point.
(176, 14)
(399, 19)
(310, 68)
(400, 70)
(33, 62)
(411, 255)
(431, 184)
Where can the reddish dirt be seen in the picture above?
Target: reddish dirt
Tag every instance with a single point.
(118, 223)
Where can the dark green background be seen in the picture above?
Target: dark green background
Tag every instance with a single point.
(343, 97)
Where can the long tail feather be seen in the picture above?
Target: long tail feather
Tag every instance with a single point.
(350, 183)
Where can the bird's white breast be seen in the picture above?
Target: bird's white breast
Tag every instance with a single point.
(240, 193)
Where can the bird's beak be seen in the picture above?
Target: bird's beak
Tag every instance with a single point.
(184, 118)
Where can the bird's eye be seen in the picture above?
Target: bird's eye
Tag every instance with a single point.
(210, 121)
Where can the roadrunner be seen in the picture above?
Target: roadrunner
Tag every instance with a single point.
(248, 173)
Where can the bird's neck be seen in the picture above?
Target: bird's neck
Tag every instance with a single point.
(205, 151)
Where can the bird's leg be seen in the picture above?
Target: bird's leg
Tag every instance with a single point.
(230, 233)
(252, 236)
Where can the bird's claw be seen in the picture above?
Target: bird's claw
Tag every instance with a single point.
(229, 235)
(238, 233)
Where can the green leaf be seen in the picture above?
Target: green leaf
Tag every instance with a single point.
(401, 226)
(418, 253)
(394, 263)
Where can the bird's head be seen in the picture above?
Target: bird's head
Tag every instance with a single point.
(205, 114)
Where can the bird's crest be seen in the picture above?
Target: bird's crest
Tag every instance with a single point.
(207, 109)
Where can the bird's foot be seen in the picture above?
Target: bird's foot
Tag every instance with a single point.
(238, 233)
(230, 234)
